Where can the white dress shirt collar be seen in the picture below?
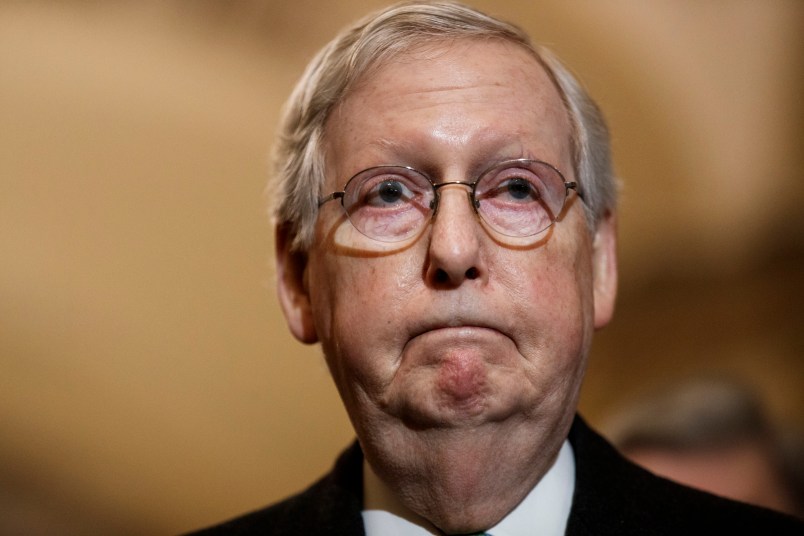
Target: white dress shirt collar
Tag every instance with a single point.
(543, 512)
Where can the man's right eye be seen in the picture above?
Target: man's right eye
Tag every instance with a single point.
(519, 188)
(386, 193)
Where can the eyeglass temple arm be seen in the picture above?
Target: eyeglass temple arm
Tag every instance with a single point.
(573, 186)
(330, 197)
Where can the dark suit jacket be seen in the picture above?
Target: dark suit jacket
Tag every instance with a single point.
(612, 497)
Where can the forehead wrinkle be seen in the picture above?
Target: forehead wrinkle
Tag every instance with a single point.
(394, 146)
(488, 145)
(420, 98)
(485, 95)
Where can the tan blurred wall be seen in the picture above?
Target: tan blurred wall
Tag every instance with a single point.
(147, 381)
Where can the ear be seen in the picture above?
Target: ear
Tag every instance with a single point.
(294, 297)
(604, 265)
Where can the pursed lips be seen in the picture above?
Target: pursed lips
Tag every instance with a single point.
(457, 332)
(454, 323)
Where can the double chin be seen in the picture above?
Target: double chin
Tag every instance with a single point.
(459, 479)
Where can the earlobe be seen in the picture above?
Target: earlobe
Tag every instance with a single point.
(604, 265)
(294, 297)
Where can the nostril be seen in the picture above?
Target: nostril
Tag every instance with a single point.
(441, 276)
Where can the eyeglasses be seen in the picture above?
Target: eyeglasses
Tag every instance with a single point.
(516, 198)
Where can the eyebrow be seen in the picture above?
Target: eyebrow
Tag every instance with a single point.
(394, 146)
(489, 140)
(492, 149)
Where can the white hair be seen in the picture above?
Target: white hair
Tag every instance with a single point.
(373, 41)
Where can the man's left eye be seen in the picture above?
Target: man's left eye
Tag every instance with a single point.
(520, 188)
(513, 189)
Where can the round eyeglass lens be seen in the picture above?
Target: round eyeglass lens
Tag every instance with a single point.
(388, 203)
(520, 198)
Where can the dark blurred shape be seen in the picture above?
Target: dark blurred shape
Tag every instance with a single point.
(714, 434)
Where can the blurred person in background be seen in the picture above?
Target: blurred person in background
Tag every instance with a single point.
(714, 434)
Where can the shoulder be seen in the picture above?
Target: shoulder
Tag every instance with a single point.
(615, 496)
(330, 506)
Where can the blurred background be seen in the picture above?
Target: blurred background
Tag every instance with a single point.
(148, 384)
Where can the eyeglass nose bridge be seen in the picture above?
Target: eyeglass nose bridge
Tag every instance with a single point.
(437, 197)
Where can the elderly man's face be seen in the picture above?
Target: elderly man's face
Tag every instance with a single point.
(458, 354)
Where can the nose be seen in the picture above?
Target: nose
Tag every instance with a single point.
(454, 251)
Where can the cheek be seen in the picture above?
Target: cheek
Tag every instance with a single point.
(554, 294)
(365, 296)
(356, 314)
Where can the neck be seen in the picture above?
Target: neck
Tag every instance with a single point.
(456, 486)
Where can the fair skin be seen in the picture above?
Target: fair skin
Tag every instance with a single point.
(458, 355)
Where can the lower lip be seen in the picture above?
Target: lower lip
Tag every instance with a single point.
(434, 346)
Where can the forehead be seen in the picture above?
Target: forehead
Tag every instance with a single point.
(488, 95)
